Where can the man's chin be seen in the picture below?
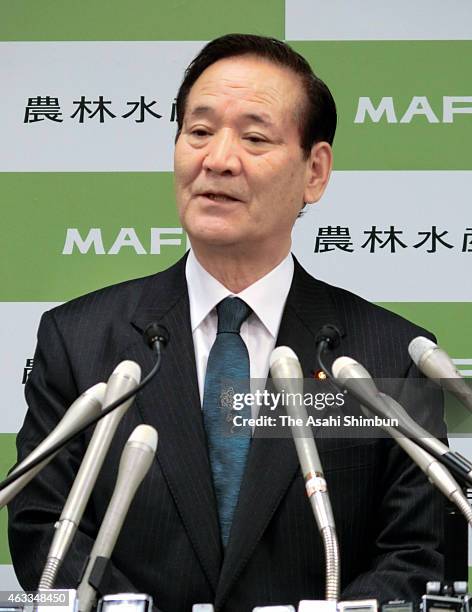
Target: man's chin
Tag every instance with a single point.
(215, 239)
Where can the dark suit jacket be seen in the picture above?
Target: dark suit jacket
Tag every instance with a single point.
(389, 519)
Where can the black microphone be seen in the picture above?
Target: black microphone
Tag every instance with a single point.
(329, 335)
(156, 333)
(327, 338)
(157, 341)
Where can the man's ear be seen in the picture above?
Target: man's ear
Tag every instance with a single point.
(319, 165)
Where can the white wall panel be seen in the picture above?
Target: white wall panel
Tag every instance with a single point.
(122, 72)
(18, 326)
(374, 20)
(411, 202)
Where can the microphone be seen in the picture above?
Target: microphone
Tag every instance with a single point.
(357, 380)
(330, 335)
(155, 333)
(125, 378)
(437, 474)
(86, 406)
(288, 378)
(436, 364)
(156, 343)
(135, 462)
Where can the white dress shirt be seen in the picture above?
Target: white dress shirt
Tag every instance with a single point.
(266, 297)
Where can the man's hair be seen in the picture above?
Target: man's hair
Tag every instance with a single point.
(317, 117)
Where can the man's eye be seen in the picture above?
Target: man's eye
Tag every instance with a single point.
(255, 139)
(199, 133)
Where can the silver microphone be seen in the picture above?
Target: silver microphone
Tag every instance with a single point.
(437, 474)
(85, 407)
(135, 462)
(357, 380)
(436, 364)
(288, 378)
(125, 377)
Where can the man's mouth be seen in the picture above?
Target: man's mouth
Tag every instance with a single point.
(220, 197)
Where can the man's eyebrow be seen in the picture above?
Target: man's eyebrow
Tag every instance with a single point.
(259, 118)
(198, 111)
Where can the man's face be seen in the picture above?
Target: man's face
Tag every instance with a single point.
(240, 174)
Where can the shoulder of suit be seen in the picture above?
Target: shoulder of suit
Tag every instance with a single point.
(355, 306)
(118, 300)
(357, 313)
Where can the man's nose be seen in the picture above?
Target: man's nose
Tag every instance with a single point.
(222, 153)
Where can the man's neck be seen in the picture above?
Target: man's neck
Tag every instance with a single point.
(237, 271)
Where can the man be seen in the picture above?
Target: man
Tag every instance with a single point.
(253, 146)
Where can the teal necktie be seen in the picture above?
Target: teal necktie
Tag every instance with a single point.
(227, 372)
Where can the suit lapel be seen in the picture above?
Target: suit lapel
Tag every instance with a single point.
(171, 403)
(272, 462)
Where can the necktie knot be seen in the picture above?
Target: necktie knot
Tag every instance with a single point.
(232, 312)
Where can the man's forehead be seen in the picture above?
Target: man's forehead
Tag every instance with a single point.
(205, 110)
(249, 79)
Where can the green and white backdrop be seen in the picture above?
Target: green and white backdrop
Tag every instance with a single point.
(86, 140)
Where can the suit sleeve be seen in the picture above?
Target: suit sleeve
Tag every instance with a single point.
(407, 551)
(50, 389)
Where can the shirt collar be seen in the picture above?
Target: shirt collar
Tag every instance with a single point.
(266, 297)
